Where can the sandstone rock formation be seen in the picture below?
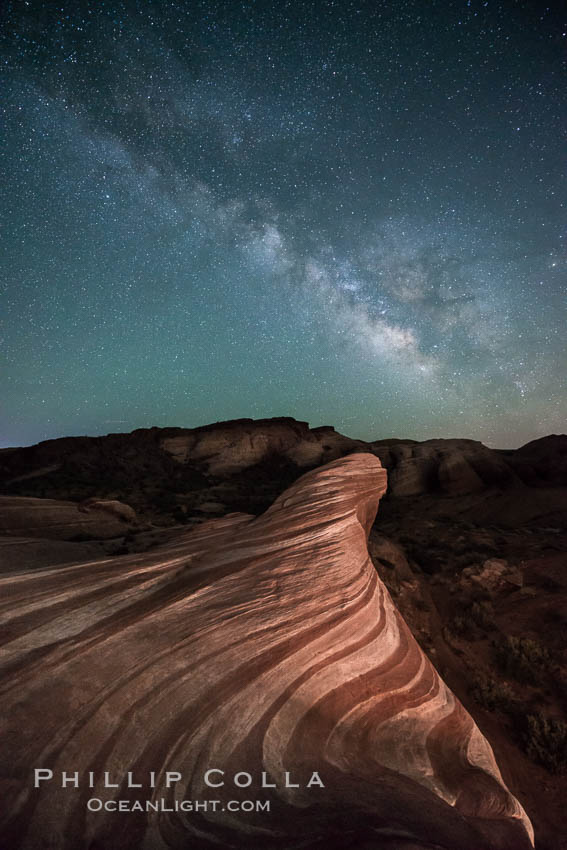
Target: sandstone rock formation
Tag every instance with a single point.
(542, 461)
(222, 448)
(167, 474)
(242, 464)
(229, 447)
(29, 553)
(452, 467)
(110, 506)
(64, 520)
(250, 644)
(494, 574)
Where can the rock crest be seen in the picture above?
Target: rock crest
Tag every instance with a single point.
(250, 644)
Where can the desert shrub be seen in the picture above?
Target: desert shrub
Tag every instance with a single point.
(474, 615)
(462, 626)
(545, 741)
(555, 617)
(478, 593)
(524, 659)
(476, 553)
(165, 501)
(550, 585)
(483, 614)
(561, 685)
(542, 738)
(431, 561)
(492, 694)
(457, 547)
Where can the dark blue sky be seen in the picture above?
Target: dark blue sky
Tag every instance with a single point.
(350, 213)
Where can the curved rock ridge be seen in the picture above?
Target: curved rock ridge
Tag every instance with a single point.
(250, 645)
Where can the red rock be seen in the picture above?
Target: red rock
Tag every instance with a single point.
(110, 506)
(453, 467)
(229, 447)
(62, 520)
(255, 645)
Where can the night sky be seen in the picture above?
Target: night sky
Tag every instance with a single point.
(350, 213)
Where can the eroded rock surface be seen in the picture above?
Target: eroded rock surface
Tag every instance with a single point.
(249, 644)
(452, 467)
(229, 447)
(63, 520)
(169, 474)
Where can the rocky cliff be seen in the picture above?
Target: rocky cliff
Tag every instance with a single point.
(244, 464)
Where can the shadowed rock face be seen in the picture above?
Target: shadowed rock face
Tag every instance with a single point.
(222, 448)
(241, 465)
(452, 467)
(63, 520)
(541, 462)
(251, 644)
(229, 447)
(170, 474)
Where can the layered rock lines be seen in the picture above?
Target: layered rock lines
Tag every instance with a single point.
(263, 645)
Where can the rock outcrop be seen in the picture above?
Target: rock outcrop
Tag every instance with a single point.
(229, 447)
(220, 449)
(450, 467)
(168, 474)
(495, 574)
(541, 462)
(64, 520)
(249, 645)
(242, 464)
